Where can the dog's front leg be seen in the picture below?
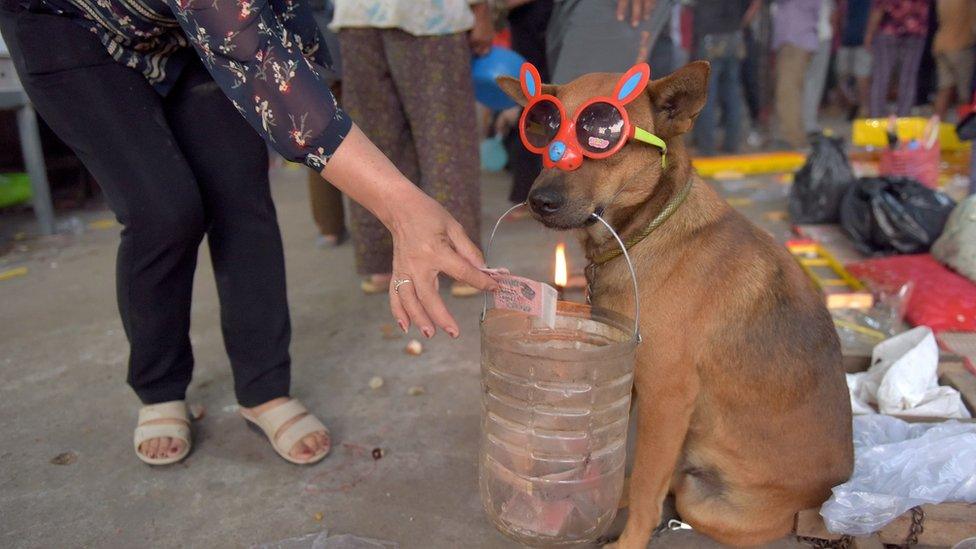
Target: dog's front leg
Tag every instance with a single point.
(663, 413)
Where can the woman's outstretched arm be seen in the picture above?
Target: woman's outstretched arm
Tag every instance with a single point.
(426, 239)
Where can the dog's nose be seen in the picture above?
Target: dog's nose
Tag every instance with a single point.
(546, 201)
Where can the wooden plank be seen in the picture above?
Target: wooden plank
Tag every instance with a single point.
(945, 525)
(953, 372)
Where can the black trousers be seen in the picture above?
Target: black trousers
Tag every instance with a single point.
(528, 23)
(173, 169)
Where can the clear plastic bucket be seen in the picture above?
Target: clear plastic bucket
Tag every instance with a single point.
(555, 411)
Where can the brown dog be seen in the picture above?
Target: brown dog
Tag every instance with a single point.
(743, 411)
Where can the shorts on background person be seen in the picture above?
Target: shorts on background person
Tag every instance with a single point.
(853, 61)
(955, 70)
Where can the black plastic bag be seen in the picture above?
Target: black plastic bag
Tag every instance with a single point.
(893, 215)
(820, 184)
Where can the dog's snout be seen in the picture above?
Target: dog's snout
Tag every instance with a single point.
(546, 200)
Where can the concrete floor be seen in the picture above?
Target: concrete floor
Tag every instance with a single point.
(62, 389)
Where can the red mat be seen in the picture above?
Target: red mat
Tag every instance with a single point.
(940, 299)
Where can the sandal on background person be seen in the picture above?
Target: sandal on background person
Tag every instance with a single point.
(376, 284)
(283, 438)
(163, 420)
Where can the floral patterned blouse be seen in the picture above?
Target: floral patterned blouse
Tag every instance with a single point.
(262, 53)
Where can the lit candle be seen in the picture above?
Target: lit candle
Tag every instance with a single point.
(560, 274)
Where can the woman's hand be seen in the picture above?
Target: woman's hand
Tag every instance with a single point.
(637, 10)
(427, 241)
(482, 32)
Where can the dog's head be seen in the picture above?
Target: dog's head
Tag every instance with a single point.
(566, 193)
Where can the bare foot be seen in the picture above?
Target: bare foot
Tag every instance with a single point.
(162, 447)
(311, 446)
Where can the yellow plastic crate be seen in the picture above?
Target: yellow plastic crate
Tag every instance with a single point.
(871, 132)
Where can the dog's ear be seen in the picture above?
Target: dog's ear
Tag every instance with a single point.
(512, 88)
(677, 98)
(527, 86)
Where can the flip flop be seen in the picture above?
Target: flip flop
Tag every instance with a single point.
(172, 410)
(270, 423)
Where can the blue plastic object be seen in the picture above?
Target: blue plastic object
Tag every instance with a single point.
(484, 70)
(494, 157)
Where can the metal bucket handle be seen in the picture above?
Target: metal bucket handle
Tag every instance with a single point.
(630, 265)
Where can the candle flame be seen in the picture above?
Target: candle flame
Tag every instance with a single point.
(560, 276)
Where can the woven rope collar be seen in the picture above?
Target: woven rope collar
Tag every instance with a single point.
(672, 206)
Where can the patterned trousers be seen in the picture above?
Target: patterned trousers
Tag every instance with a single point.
(413, 97)
(890, 53)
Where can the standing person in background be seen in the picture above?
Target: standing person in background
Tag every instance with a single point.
(953, 50)
(603, 35)
(719, 40)
(407, 79)
(816, 75)
(326, 200)
(896, 37)
(528, 20)
(795, 40)
(853, 58)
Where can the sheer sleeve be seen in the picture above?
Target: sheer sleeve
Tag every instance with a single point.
(258, 58)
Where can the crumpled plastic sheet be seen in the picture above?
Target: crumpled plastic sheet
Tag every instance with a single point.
(903, 379)
(899, 465)
(322, 540)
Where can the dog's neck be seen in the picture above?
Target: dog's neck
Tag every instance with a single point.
(632, 220)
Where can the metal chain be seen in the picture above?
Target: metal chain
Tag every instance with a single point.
(916, 527)
(843, 542)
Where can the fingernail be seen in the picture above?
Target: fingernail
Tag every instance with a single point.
(428, 332)
(452, 332)
(402, 325)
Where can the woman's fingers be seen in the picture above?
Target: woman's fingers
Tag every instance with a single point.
(411, 303)
(396, 307)
(466, 269)
(648, 8)
(434, 306)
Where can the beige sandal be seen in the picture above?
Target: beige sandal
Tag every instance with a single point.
(270, 423)
(172, 410)
(460, 289)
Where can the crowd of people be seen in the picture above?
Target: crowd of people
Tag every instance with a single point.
(774, 64)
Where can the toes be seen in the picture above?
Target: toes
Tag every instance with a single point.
(175, 447)
(301, 450)
(153, 450)
(164, 445)
(323, 440)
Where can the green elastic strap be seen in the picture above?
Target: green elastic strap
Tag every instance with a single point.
(645, 136)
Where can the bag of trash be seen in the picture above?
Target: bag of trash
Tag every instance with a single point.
(898, 465)
(893, 215)
(956, 247)
(820, 184)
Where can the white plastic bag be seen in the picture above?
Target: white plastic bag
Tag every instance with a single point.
(903, 379)
(898, 465)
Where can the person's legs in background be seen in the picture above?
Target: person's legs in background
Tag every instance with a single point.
(707, 123)
(730, 95)
(439, 104)
(955, 72)
(844, 73)
(528, 24)
(862, 78)
(791, 65)
(910, 51)
(327, 210)
(884, 60)
(372, 99)
(813, 87)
